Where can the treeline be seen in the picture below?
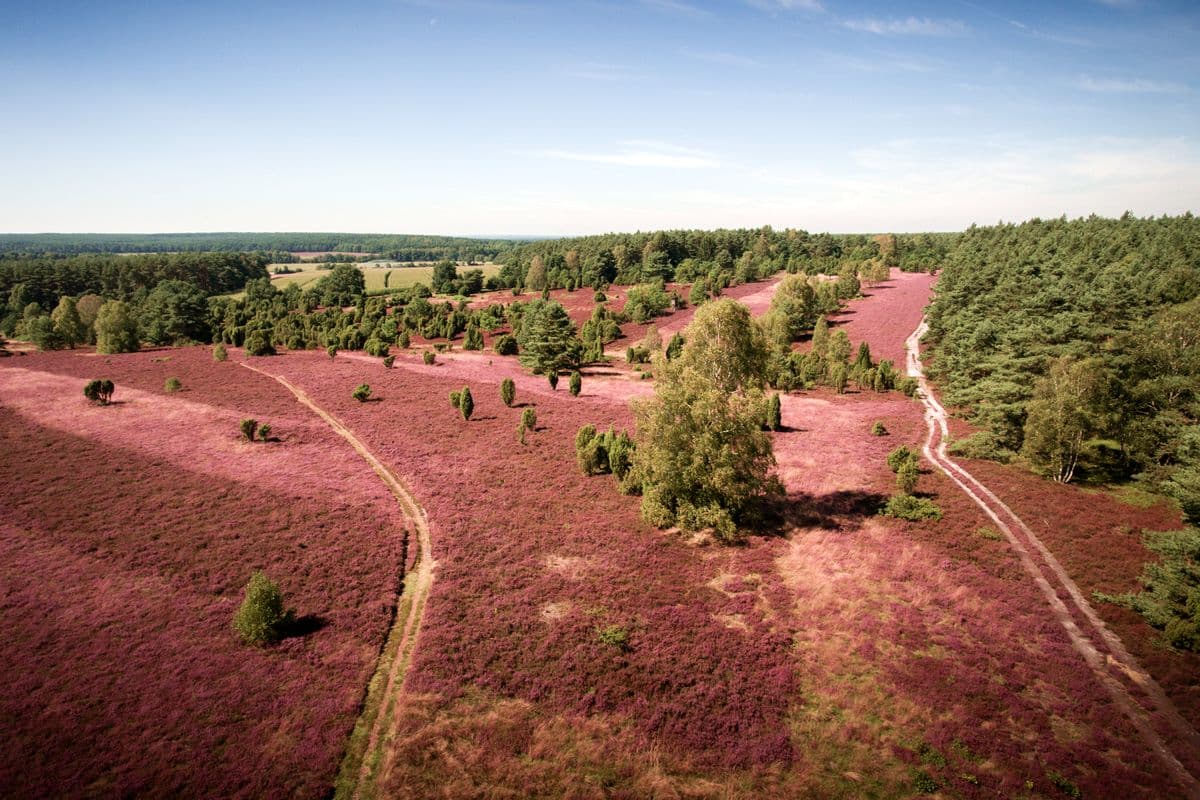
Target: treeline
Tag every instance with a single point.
(42, 281)
(1076, 344)
(735, 256)
(398, 247)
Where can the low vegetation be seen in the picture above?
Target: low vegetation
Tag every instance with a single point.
(261, 618)
(99, 391)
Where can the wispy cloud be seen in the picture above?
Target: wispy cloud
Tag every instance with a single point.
(642, 153)
(909, 26)
(721, 57)
(1128, 85)
(786, 5)
(677, 7)
(1119, 3)
(597, 71)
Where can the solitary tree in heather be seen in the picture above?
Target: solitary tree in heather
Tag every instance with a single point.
(466, 403)
(261, 619)
(576, 384)
(361, 393)
(529, 419)
(219, 352)
(508, 392)
(249, 427)
(703, 458)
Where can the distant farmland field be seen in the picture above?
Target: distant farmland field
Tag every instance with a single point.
(376, 273)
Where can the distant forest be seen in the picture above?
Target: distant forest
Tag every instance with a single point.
(691, 255)
(398, 247)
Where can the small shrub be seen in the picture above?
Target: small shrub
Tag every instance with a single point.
(774, 414)
(259, 344)
(614, 636)
(264, 432)
(361, 393)
(908, 385)
(911, 509)
(506, 345)
(455, 398)
(466, 403)
(529, 419)
(586, 454)
(220, 353)
(99, 391)
(249, 428)
(261, 619)
(878, 429)
(900, 456)
(332, 351)
(428, 357)
(576, 383)
(388, 361)
(172, 385)
(599, 297)
(982, 445)
(552, 376)
(675, 346)
(906, 477)
(508, 392)
(924, 783)
(402, 341)
(1060, 782)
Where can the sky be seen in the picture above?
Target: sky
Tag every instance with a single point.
(475, 117)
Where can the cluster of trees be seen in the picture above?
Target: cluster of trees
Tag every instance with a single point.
(45, 280)
(717, 259)
(1076, 343)
(398, 247)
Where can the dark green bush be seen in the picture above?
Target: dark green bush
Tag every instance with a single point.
(99, 391)
(388, 361)
(362, 393)
(878, 429)
(576, 383)
(466, 403)
(429, 358)
(906, 477)
(259, 344)
(506, 345)
(219, 352)
(172, 385)
(900, 456)
(529, 419)
(249, 427)
(261, 619)
(508, 392)
(912, 509)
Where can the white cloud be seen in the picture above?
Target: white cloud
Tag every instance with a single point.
(642, 153)
(1128, 85)
(720, 57)
(909, 26)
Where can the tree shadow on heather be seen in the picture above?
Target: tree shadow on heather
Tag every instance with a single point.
(840, 510)
(299, 627)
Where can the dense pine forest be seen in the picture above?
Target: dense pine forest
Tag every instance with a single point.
(398, 247)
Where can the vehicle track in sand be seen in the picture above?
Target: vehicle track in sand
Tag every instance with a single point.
(1106, 656)
(410, 607)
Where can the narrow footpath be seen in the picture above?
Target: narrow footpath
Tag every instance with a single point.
(365, 754)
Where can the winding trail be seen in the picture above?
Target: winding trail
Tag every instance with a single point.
(410, 608)
(1116, 669)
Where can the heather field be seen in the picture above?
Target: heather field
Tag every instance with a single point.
(129, 532)
(835, 653)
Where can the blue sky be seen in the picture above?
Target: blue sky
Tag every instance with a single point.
(478, 117)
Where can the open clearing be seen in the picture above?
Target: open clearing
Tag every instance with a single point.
(837, 654)
(379, 274)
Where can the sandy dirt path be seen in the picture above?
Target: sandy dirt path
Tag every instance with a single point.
(1110, 662)
(410, 608)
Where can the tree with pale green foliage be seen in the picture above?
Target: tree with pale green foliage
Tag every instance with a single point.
(67, 323)
(702, 458)
(1061, 416)
(116, 329)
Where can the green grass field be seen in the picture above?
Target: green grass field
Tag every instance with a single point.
(376, 275)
